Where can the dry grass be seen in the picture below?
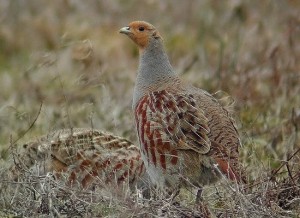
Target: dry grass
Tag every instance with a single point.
(69, 57)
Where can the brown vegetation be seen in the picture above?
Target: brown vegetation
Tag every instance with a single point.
(69, 57)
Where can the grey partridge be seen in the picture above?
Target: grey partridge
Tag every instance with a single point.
(85, 157)
(187, 138)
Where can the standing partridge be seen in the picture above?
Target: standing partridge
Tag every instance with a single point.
(85, 157)
(187, 138)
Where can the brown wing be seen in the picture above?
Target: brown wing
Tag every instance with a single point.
(84, 154)
(223, 136)
(176, 118)
(184, 121)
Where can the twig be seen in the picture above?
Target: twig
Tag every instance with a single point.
(12, 143)
(282, 165)
(274, 172)
(66, 103)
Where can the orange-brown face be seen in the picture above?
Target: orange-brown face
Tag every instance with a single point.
(140, 32)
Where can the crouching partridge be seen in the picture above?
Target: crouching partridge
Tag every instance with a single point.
(187, 138)
(84, 157)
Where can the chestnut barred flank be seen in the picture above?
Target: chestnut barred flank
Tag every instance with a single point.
(186, 136)
(86, 157)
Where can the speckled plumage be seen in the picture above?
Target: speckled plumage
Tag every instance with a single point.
(85, 157)
(186, 136)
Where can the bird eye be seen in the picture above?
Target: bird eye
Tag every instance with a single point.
(141, 28)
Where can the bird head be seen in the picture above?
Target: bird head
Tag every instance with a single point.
(141, 33)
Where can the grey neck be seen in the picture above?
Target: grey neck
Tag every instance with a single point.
(154, 69)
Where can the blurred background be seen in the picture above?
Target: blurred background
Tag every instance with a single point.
(63, 64)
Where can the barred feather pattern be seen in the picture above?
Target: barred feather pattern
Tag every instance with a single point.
(187, 137)
(183, 136)
(86, 157)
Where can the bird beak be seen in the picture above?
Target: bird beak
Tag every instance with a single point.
(125, 30)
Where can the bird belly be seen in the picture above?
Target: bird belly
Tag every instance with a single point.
(161, 174)
(199, 170)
